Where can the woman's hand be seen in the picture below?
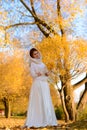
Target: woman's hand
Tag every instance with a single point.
(47, 73)
(38, 74)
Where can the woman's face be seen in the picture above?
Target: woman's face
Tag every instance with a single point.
(36, 55)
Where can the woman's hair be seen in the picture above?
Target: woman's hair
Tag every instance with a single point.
(31, 51)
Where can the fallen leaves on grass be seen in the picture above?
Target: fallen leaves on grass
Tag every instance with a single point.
(16, 124)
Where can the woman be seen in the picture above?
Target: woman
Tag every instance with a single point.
(40, 111)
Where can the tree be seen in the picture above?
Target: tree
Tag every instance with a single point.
(12, 79)
(65, 63)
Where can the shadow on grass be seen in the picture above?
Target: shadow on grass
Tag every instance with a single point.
(78, 125)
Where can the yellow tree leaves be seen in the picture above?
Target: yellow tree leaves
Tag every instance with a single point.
(12, 76)
(15, 80)
(81, 48)
(49, 48)
(11, 80)
(62, 56)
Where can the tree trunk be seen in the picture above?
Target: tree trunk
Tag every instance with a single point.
(63, 105)
(83, 99)
(7, 107)
(69, 101)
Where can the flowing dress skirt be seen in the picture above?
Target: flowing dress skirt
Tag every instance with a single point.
(40, 110)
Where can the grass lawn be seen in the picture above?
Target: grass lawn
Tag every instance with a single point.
(16, 123)
(80, 125)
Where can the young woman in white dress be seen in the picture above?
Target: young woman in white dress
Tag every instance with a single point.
(40, 111)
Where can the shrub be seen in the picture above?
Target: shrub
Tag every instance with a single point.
(81, 115)
(59, 112)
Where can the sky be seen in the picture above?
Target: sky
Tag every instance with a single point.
(14, 7)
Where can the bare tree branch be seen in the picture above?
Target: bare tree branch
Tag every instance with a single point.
(26, 7)
(17, 24)
(59, 17)
(81, 82)
(42, 30)
(23, 14)
(32, 6)
(38, 21)
(83, 99)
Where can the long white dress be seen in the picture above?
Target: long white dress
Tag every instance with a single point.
(40, 110)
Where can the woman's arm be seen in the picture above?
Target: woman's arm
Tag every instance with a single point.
(33, 71)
